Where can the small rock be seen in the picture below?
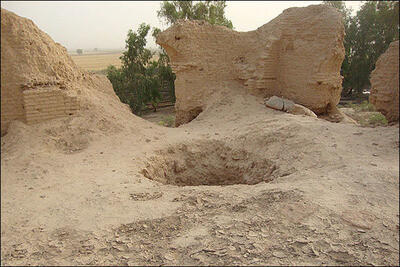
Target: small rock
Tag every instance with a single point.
(169, 257)
(360, 230)
(252, 234)
(375, 155)
(301, 241)
(279, 254)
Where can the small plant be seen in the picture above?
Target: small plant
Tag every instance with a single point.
(167, 121)
(363, 107)
(377, 120)
(366, 106)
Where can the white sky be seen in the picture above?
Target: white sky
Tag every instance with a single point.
(104, 24)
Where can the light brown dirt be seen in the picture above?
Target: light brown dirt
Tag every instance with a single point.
(385, 83)
(73, 190)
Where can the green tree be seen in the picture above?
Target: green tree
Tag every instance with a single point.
(167, 77)
(136, 82)
(377, 25)
(368, 35)
(79, 51)
(211, 11)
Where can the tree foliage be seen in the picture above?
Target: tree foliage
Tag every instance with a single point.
(137, 82)
(211, 11)
(368, 35)
(167, 77)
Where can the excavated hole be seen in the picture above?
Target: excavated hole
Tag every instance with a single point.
(209, 162)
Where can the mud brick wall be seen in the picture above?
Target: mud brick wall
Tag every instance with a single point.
(11, 107)
(45, 104)
(297, 56)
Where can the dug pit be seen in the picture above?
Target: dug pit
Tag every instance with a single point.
(208, 162)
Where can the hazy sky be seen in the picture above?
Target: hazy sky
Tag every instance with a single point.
(104, 24)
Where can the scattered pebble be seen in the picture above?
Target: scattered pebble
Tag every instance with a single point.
(278, 254)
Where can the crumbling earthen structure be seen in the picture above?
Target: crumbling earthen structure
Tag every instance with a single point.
(297, 56)
(36, 74)
(384, 93)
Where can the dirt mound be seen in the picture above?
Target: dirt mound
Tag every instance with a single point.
(41, 86)
(296, 56)
(385, 83)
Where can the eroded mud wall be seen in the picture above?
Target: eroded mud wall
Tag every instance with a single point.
(297, 55)
(384, 93)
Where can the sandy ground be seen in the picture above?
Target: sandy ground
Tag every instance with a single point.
(160, 115)
(329, 194)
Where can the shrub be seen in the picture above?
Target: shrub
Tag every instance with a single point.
(139, 79)
(167, 121)
(377, 119)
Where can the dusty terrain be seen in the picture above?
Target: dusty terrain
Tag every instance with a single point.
(240, 184)
(332, 197)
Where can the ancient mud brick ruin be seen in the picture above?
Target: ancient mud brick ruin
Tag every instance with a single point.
(384, 93)
(297, 56)
(37, 75)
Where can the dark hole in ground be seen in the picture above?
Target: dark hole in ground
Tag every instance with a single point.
(208, 162)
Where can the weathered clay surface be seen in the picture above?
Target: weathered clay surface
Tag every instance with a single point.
(31, 60)
(385, 83)
(296, 56)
